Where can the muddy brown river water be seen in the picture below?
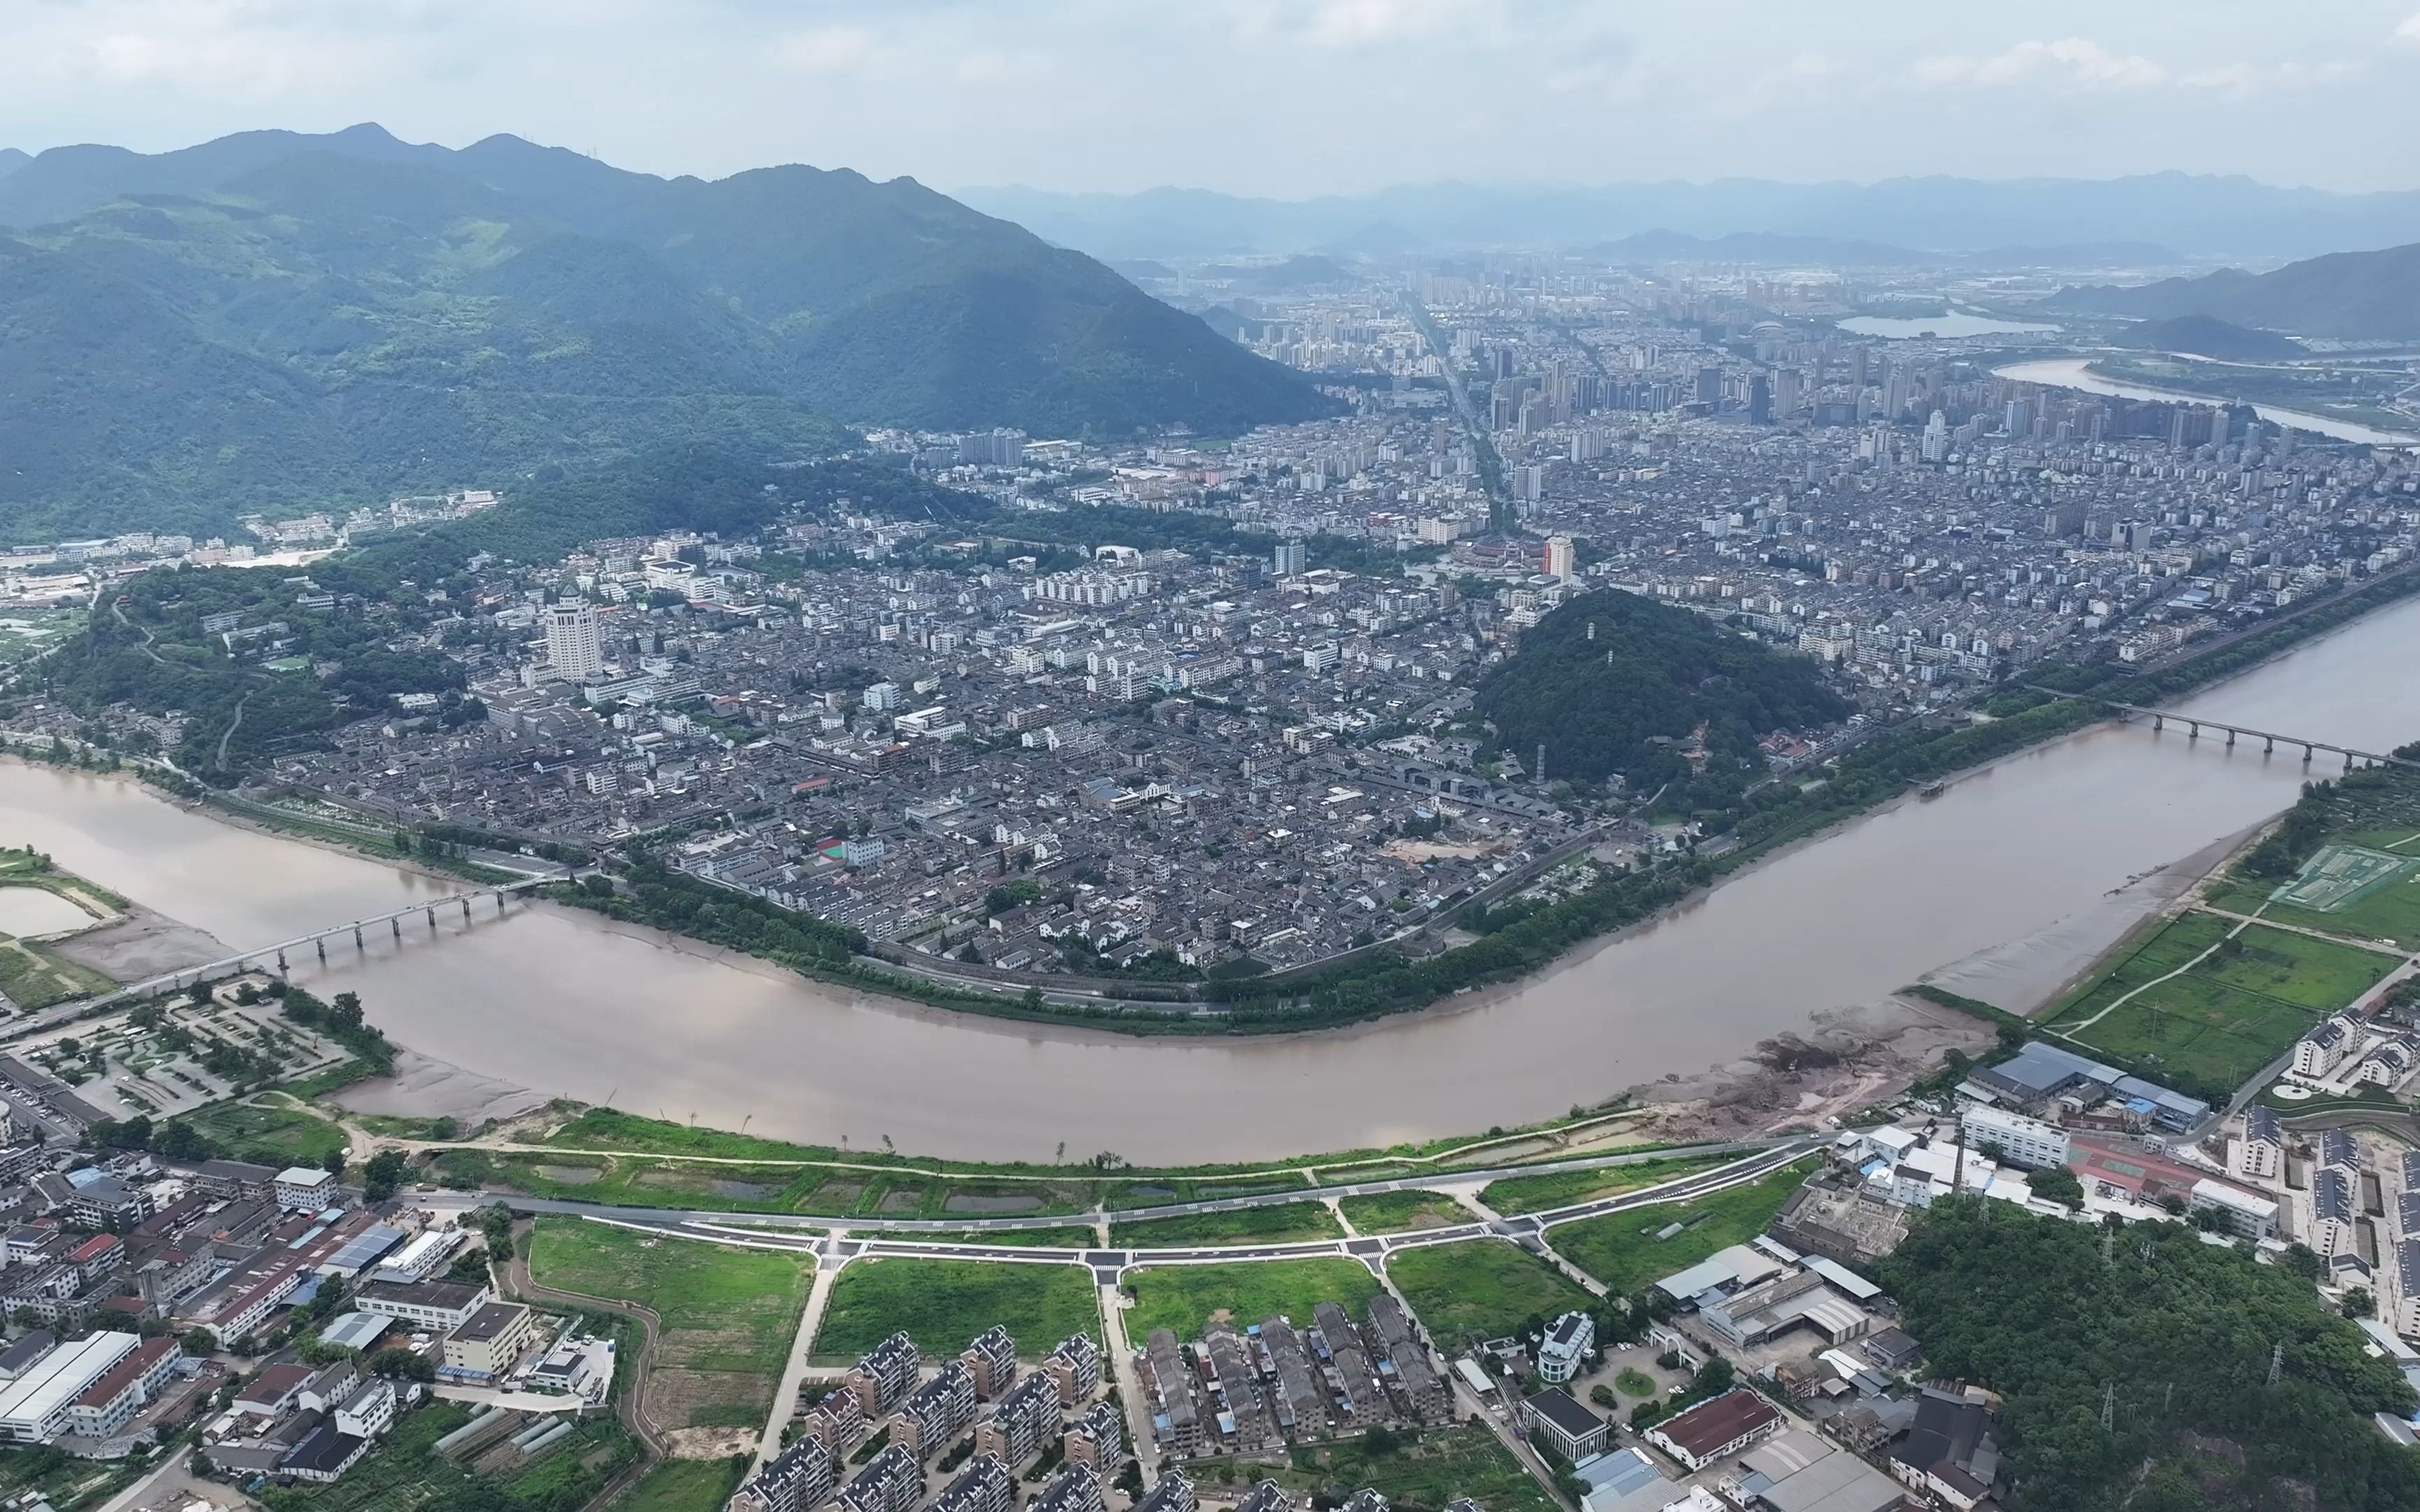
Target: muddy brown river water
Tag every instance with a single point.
(2003, 885)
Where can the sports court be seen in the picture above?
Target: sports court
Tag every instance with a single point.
(2338, 876)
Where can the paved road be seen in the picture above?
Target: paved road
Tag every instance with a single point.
(837, 1249)
(908, 1227)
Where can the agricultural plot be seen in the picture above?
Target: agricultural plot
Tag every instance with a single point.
(1185, 1298)
(1534, 1194)
(1279, 1223)
(728, 1315)
(1481, 1289)
(1630, 1250)
(1430, 1469)
(2240, 1006)
(1403, 1212)
(943, 1304)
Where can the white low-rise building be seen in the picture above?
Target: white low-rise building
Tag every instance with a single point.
(2031, 1143)
(34, 1408)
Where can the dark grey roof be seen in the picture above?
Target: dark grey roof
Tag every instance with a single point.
(325, 1449)
(1559, 1407)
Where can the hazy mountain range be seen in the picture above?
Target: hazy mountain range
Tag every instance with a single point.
(271, 319)
(2353, 295)
(2197, 216)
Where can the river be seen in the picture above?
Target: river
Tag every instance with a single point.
(561, 1002)
(1943, 327)
(2075, 373)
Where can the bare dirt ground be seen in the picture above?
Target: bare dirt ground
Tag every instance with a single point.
(424, 1088)
(142, 943)
(709, 1443)
(1856, 1058)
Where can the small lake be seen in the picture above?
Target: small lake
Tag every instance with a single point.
(1956, 323)
(36, 911)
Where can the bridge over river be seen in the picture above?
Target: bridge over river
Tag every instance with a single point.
(2270, 739)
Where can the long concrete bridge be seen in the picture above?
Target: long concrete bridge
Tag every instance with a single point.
(2270, 739)
(359, 928)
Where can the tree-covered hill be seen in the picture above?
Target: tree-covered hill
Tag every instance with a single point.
(276, 322)
(2356, 295)
(1614, 683)
(2176, 1334)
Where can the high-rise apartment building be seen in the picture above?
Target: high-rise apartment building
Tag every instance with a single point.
(574, 645)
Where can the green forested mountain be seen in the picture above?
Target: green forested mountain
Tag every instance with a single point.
(273, 321)
(2176, 1337)
(1611, 681)
(2353, 295)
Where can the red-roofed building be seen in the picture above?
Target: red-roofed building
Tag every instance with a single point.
(1720, 1426)
(98, 1256)
(110, 1402)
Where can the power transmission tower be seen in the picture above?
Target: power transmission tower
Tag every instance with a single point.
(2109, 1408)
(2276, 1361)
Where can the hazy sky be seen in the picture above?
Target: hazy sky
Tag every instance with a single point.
(1286, 97)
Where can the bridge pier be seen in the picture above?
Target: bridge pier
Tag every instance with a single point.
(2194, 731)
(2269, 745)
(432, 918)
(281, 962)
(2306, 755)
(2159, 722)
(2347, 761)
(2230, 740)
(397, 924)
(466, 910)
(321, 946)
(357, 937)
(500, 902)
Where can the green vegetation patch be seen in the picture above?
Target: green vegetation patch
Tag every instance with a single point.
(1185, 1298)
(267, 1135)
(1535, 1194)
(2246, 996)
(1428, 1469)
(405, 1472)
(728, 1315)
(685, 1486)
(943, 1304)
(1276, 1224)
(1481, 1289)
(2174, 1336)
(1403, 1212)
(1623, 1249)
(35, 975)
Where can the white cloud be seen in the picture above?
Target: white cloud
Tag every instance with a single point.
(825, 50)
(2071, 62)
(2242, 79)
(2409, 30)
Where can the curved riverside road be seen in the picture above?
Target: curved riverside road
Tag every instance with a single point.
(743, 1221)
(839, 1246)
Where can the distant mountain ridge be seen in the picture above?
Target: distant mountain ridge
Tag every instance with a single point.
(2197, 216)
(274, 321)
(12, 159)
(2348, 295)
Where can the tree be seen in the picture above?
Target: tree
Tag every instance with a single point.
(384, 1174)
(2358, 1303)
(335, 1162)
(199, 1342)
(178, 1140)
(402, 1364)
(2057, 1184)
